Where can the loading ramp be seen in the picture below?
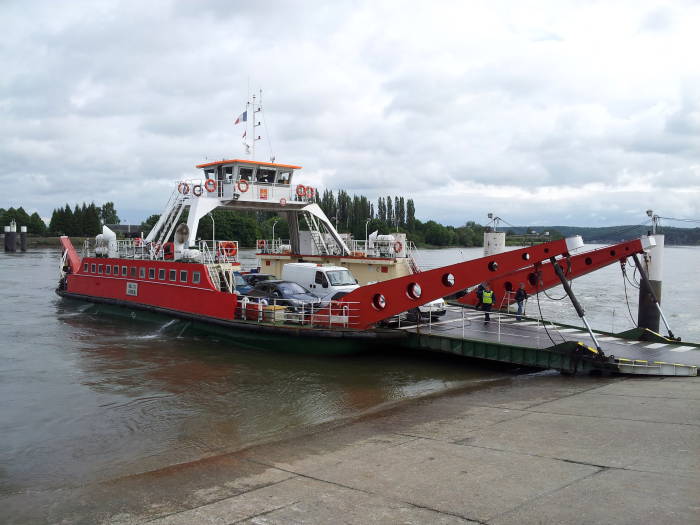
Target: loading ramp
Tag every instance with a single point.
(546, 345)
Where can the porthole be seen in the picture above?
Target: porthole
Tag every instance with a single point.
(526, 256)
(414, 291)
(448, 280)
(378, 301)
(493, 266)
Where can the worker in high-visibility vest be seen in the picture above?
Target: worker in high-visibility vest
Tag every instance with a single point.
(488, 297)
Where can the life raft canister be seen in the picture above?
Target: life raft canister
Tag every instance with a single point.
(197, 190)
(243, 185)
(398, 246)
(228, 248)
(210, 185)
(301, 190)
(261, 244)
(183, 188)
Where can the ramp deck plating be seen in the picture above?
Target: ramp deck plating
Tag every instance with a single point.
(504, 329)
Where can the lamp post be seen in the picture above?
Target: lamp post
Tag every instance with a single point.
(273, 231)
(366, 236)
(213, 237)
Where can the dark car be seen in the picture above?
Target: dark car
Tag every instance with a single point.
(284, 293)
(254, 278)
(241, 284)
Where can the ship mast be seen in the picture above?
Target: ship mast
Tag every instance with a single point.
(254, 111)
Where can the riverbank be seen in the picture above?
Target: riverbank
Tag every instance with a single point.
(541, 448)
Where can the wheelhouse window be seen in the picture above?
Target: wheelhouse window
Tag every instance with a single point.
(93, 268)
(183, 276)
(99, 268)
(132, 271)
(245, 174)
(123, 271)
(116, 269)
(228, 173)
(108, 269)
(85, 267)
(209, 174)
(284, 177)
(142, 272)
(151, 273)
(266, 176)
(161, 274)
(173, 275)
(195, 277)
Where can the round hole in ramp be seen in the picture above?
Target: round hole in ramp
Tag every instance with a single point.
(379, 301)
(414, 291)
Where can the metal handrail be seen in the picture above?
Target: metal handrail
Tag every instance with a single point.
(329, 315)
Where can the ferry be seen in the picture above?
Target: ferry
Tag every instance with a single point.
(171, 271)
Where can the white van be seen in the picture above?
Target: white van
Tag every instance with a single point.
(322, 281)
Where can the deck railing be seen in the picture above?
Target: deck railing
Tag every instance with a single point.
(322, 314)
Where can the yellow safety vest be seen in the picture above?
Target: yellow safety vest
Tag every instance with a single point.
(487, 297)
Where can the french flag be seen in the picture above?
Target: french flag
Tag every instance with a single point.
(243, 117)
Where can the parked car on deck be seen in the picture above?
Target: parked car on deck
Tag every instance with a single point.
(284, 293)
(254, 278)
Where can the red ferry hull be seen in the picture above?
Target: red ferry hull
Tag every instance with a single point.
(200, 298)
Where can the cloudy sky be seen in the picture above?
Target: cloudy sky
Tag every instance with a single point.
(577, 113)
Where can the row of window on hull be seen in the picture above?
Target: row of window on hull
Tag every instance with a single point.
(107, 269)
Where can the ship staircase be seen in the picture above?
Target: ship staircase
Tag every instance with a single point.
(165, 227)
(316, 236)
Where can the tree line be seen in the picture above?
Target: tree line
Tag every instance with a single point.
(358, 215)
(82, 221)
(35, 225)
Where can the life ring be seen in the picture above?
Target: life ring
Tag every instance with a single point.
(301, 190)
(261, 244)
(197, 190)
(228, 248)
(210, 185)
(398, 246)
(183, 188)
(310, 192)
(243, 185)
(138, 241)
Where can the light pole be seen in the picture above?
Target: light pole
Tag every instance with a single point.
(213, 237)
(273, 231)
(366, 236)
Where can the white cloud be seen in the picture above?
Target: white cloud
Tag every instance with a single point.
(553, 112)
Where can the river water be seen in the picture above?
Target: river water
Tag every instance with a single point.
(93, 397)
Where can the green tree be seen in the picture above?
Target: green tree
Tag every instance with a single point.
(108, 214)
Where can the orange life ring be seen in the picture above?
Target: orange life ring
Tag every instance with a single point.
(310, 192)
(261, 244)
(243, 185)
(228, 248)
(197, 190)
(183, 188)
(398, 246)
(210, 185)
(301, 190)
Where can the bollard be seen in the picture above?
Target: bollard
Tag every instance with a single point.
(23, 238)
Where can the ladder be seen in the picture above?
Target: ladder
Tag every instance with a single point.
(166, 224)
(316, 235)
